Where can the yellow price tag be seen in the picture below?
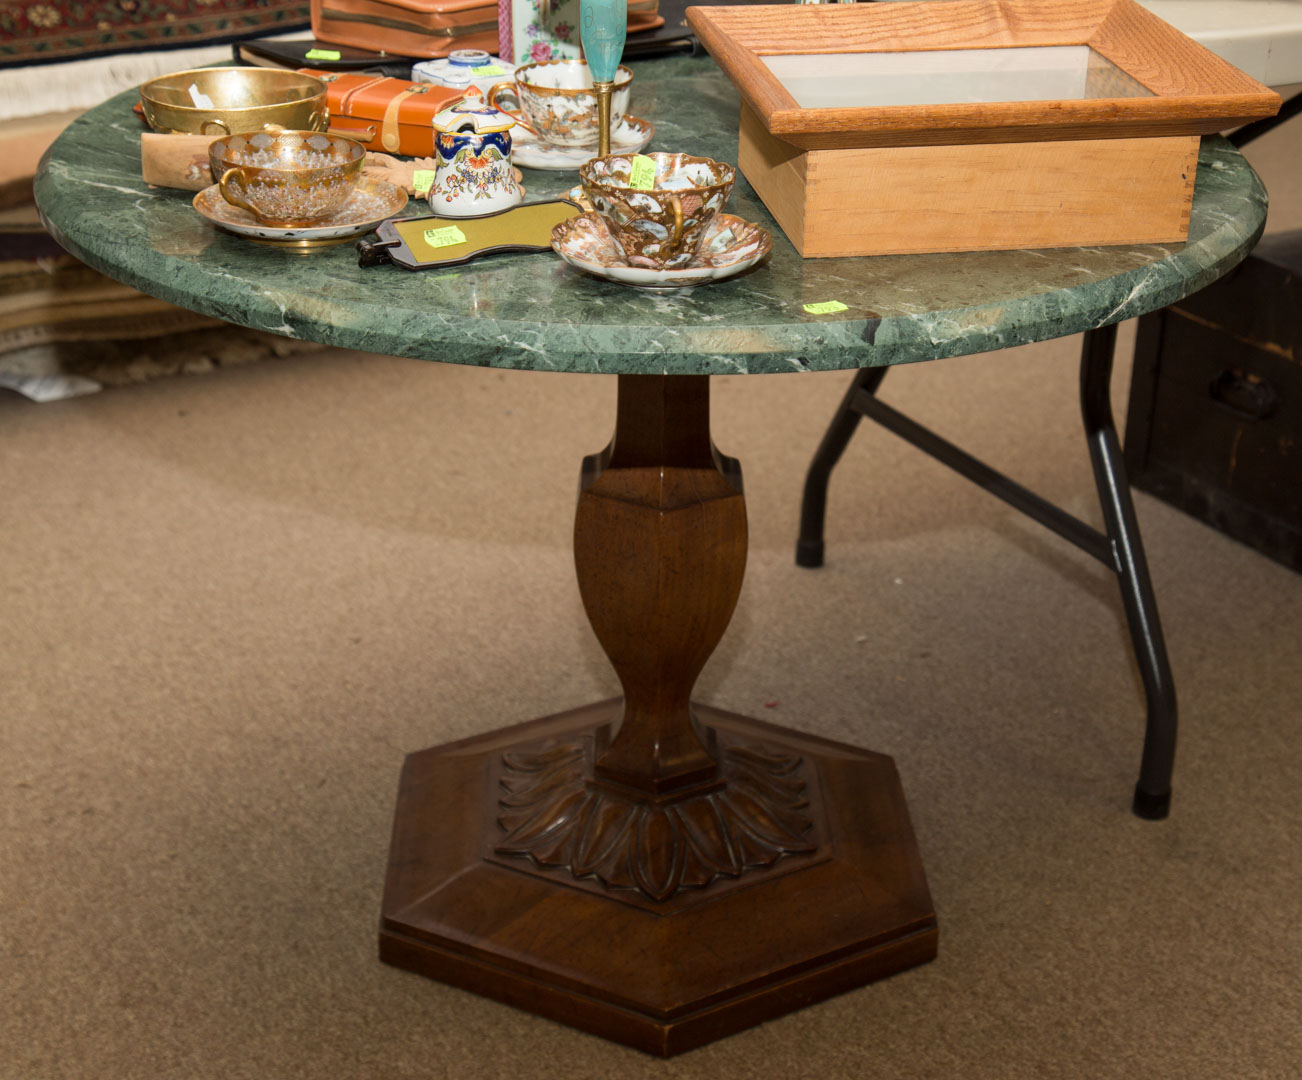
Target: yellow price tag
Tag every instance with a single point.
(827, 307)
(322, 54)
(422, 180)
(447, 236)
(643, 175)
(488, 69)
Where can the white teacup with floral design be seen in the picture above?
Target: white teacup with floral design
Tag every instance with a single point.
(557, 102)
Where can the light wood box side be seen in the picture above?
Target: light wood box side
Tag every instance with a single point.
(777, 172)
(898, 200)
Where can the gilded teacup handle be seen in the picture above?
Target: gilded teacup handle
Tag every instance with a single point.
(235, 199)
(215, 124)
(516, 114)
(676, 242)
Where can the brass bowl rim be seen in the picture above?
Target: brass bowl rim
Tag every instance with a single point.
(153, 101)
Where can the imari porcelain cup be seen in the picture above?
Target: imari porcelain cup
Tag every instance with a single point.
(290, 179)
(557, 102)
(658, 226)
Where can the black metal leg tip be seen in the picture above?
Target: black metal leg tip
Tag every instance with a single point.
(1151, 807)
(809, 553)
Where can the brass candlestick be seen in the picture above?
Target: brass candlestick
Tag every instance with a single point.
(604, 90)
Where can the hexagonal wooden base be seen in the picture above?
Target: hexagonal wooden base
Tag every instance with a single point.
(663, 978)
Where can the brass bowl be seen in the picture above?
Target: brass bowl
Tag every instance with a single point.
(244, 99)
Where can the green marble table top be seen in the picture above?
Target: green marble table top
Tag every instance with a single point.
(534, 311)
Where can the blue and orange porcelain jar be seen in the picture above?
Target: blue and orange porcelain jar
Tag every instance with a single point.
(473, 175)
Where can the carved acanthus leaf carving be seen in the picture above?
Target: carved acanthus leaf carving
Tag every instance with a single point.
(554, 817)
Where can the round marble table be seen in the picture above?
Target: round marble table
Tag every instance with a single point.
(651, 869)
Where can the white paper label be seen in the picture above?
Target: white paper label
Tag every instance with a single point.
(200, 99)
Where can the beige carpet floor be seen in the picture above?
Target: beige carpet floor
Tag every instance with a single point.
(229, 605)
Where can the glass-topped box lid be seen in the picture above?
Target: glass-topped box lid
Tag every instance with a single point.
(946, 77)
(926, 72)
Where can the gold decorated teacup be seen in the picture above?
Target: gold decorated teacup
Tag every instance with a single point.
(659, 204)
(289, 179)
(557, 103)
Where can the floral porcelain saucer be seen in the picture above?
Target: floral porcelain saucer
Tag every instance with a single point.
(370, 203)
(728, 247)
(631, 136)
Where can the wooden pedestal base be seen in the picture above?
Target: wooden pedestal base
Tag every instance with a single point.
(666, 975)
(649, 869)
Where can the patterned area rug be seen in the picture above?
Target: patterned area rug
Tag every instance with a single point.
(58, 317)
(43, 31)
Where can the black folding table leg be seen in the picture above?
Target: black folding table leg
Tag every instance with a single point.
(813, 506)
(1118, 547)
(1153, 791)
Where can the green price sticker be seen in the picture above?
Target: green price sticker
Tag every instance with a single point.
(448, 236)
(488, 69)
(422, 180)
(827, 307)
(322, 54)
(643, 176)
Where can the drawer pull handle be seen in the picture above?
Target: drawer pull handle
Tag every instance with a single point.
(1247, 396)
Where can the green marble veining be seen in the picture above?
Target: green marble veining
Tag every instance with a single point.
(534, 311)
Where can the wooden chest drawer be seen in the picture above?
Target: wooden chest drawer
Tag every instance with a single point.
(1215, 419)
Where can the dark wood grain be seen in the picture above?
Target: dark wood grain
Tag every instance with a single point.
(651, 869)
(662, 977)
(660, 549)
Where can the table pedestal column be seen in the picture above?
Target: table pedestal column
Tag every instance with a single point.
(651, 869)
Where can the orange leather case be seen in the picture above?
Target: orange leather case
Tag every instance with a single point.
(393, 116)
(425, 28)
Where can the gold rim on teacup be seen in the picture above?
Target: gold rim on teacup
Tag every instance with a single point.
(623, 76)
(512, 87)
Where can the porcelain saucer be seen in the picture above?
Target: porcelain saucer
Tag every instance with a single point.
(371, 202)
(631, 136)
(729, 247)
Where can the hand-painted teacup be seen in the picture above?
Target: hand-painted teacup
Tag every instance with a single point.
(288, 179)
(557, 102)
(658, 225)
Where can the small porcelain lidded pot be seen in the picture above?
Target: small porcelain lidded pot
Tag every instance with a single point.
(473, 177)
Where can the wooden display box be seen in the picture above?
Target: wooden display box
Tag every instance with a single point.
(873, 129)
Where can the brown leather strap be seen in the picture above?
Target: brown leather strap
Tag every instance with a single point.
(389, 136)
